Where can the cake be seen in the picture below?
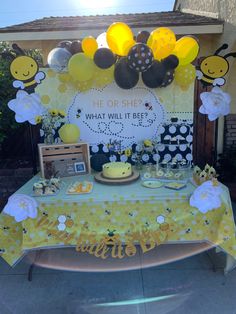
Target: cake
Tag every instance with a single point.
(117, 170)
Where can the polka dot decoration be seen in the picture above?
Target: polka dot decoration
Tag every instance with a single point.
(140, 57)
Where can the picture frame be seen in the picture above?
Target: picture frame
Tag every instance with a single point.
(80, 167)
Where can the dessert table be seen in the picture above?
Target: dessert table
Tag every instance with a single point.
(111, 220)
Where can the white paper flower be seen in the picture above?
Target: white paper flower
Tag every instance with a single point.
(206, 197)
(215, 103)
(21, 207)
(26, 107)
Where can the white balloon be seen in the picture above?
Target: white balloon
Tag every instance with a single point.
(102, 40)
(58, 59)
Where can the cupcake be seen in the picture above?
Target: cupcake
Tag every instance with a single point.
(55, 182)
(196, 174)
(197, 170)
(211, 173)
(202, 177)
(38, 188)
(206, 168)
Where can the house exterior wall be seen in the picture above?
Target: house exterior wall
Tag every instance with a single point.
(226, 11)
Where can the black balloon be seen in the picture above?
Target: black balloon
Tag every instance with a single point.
(64, 44)
(140, 57)
(142, 37)
(171, 62)
(125, 77)
(104, 58)
(155, 75)
(168, 79)
(76, 47)
(97, 161)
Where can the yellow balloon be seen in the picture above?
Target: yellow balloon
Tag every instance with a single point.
(186, 49)
(185, 75)
(89, 46)
(63, 77)
(81, 67)
(162, 41)
(69, 133)
(84, 86)
(103, 77)
(120, 38)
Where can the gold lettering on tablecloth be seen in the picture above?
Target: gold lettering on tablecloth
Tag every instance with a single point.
(109, 245)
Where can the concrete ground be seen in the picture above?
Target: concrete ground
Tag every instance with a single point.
(188, 286)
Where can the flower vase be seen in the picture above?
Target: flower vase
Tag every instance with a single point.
(48, 136)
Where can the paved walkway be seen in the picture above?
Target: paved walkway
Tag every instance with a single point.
(188, 286)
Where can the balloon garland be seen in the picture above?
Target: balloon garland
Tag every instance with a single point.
(157, 57)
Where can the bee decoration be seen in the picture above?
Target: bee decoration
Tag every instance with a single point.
(214, 68)
(78, 113)
(207, 222)
(25, 70)
(111, 233)
(148, 106)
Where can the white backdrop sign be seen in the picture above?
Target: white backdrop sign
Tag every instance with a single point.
(112, 114)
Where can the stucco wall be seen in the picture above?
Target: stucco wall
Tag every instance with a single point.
(226, 11)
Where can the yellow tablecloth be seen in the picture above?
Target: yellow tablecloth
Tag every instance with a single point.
(100, 222)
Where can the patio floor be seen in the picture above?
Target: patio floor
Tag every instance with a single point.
(187, 286)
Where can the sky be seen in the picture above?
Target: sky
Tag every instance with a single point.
(20, 11)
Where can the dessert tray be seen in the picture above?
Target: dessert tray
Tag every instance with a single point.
(152, 184)
(79, 187)
(175, 185)
(47, 187)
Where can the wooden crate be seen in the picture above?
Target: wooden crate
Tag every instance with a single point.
(60, 159)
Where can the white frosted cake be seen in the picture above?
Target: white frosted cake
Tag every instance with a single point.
(117, 170)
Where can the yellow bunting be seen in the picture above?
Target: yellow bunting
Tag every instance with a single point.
(103, 77)
(81, 67)
(120, 38)
(69, 133)
(186, 49)
(162, 41)
(89, 46)
(45, 99)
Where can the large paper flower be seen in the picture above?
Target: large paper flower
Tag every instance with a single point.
(215, 103)
(206, 197)
(26, 106)
(21, 206)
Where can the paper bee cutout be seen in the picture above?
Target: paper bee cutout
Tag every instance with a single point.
(214, 68)
(25, 71)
